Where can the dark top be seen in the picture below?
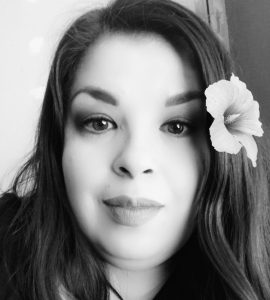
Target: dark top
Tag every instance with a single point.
(9, 205)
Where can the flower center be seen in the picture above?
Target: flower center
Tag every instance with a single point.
(230, 118)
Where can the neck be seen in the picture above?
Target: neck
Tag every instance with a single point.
(137, 284)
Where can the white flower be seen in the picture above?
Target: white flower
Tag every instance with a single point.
(236, 117)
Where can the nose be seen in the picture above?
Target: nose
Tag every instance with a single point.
(133, 161)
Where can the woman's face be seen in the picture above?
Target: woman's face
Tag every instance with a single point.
(135, 131)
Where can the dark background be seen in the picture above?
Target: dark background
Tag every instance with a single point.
(249, 36)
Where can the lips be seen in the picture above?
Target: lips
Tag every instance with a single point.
(132, 212)
(128, 202)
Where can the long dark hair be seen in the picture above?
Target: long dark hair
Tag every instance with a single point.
(44, 249)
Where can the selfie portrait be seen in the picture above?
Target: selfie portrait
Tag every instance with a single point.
(135, 150)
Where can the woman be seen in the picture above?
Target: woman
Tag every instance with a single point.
(124, 196)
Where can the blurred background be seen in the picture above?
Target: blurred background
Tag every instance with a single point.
(30, 30)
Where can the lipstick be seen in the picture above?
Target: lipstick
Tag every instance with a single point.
(132, 212)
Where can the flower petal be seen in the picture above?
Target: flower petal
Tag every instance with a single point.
(241, 102)
(237, 82)
(248, 122)
(252, 127)
(218, 97)
(222, 139)
(236, 117)
(250, 145)
(253, 112)
(243, 98)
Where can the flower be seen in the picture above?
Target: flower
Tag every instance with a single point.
(236, 117)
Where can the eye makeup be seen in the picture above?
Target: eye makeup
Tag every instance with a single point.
(97, 118)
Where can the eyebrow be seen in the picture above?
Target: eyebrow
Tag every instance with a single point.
(184, 97)
(101, 95)
(96, 93)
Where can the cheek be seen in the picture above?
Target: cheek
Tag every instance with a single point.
(183, 163)
(183, 169)
(85, 174)
(84, 168)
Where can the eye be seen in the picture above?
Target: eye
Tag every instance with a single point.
(98, 124)
(176, 127)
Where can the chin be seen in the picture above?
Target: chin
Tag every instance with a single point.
(134, 257)
(135, 263)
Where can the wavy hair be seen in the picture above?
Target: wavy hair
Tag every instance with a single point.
(233, 217)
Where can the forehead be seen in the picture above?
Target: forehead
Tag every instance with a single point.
(141, 65)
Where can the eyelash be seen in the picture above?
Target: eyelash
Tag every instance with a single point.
(97, 119)
(184, 125)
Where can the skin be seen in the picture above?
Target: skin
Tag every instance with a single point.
(137, 151)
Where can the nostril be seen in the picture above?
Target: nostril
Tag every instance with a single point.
(148, 171)
(123, 170)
